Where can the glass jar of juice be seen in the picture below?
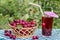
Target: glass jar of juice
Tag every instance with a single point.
(47, 25)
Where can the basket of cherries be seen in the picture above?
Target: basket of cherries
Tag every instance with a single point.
(23, 28)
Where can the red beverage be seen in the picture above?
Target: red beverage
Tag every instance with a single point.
(47, 25)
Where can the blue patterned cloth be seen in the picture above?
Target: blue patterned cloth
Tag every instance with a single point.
(55, 35)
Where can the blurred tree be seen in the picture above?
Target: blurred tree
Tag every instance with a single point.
(20, 9)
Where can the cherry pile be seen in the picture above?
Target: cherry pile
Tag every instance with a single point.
(24, 23)
(9, 33)
(35, 38)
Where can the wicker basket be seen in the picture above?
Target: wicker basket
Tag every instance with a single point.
(24, 32)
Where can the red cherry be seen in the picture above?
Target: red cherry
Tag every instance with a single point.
(23, 23)
(5, 31)
(43, 24)
(13, 24)
(14, 37)
(11, 36)
(17, 21)
(24, 26)
(7, 34)
(33, 22)
(26, 22)
(28, 25)
(20, 21)
(32, 25)
(35, 37)
(9, 31)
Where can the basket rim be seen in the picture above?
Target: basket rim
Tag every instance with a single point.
(24, 27)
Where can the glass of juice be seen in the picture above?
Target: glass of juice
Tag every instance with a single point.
(47, 25)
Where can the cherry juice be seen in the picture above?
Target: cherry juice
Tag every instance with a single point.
(47, 25)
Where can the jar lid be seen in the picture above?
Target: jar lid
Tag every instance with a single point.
(51, 14)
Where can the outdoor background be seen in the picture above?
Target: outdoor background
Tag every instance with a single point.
(20, 9)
